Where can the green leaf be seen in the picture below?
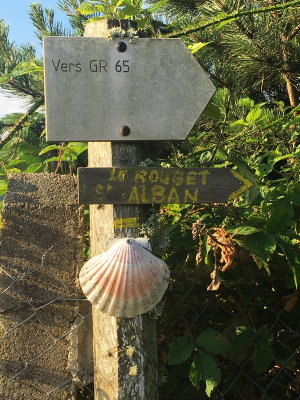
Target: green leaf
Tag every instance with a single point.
(76, 150)
(26, 67)
(281, 216)
(294, 121)
(253, 115)
(78, 144)
(242, 230)
(197, 46)
(30, 159)
(26, 148)
(33, 168)
(213, 341)
(262, 356)
(212, 111)
(87, 9)
(119, 2)
(223, 23)
(129, 11)
(180, 350)
(50, 160)
(239, 122)
(291, 256)
(3, 186)
(246, 102)
(49, 148)
(294, 195)
(13, 170)
(244, 338)
(260, 244)
(5, 78)
(157, 6)
(12, 163)
(204, 368)
(94, 19)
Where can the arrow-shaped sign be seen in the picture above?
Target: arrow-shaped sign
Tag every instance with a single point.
(99, 89)
(159, 185)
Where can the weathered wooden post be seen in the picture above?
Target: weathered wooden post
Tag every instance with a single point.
(125, 353)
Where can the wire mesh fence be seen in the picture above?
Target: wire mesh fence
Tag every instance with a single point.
(281, 380)
(41, 341)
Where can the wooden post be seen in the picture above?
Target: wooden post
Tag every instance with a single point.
(125, 359)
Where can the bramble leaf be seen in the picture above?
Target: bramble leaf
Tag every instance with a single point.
(49, 148)
(204, 368)
(242, 230)
(180, 350)
(262, 356)
(291, 256)
(243, 339)
(213, 341)
(260, 244)
(281, 216)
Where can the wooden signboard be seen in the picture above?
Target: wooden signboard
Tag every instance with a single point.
(159, 185)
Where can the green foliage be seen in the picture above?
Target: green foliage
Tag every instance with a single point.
(242, 340)
(262, 356)
(204, 368)
(235, 326)
(213, 341)
(282, 214)
(27, 151)
(121, 9)
(180, 350)
(24, 68)
(260, 244)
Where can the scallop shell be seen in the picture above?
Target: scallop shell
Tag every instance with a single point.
(126, 280)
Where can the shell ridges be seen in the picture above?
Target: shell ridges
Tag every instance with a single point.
(126, 280)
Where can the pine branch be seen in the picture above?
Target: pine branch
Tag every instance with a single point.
(293, 33)
(234, 15)
(20, 123)
(24, 90)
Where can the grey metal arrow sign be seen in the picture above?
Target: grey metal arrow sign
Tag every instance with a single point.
(99, 89)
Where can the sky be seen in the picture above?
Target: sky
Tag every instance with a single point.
(15, 14)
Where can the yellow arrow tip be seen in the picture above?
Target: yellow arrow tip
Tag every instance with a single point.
(246, 184)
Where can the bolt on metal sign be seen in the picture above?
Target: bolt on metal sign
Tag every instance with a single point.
(99, 89)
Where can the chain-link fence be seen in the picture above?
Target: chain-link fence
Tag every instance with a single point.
(281, 380)
(45, 345)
